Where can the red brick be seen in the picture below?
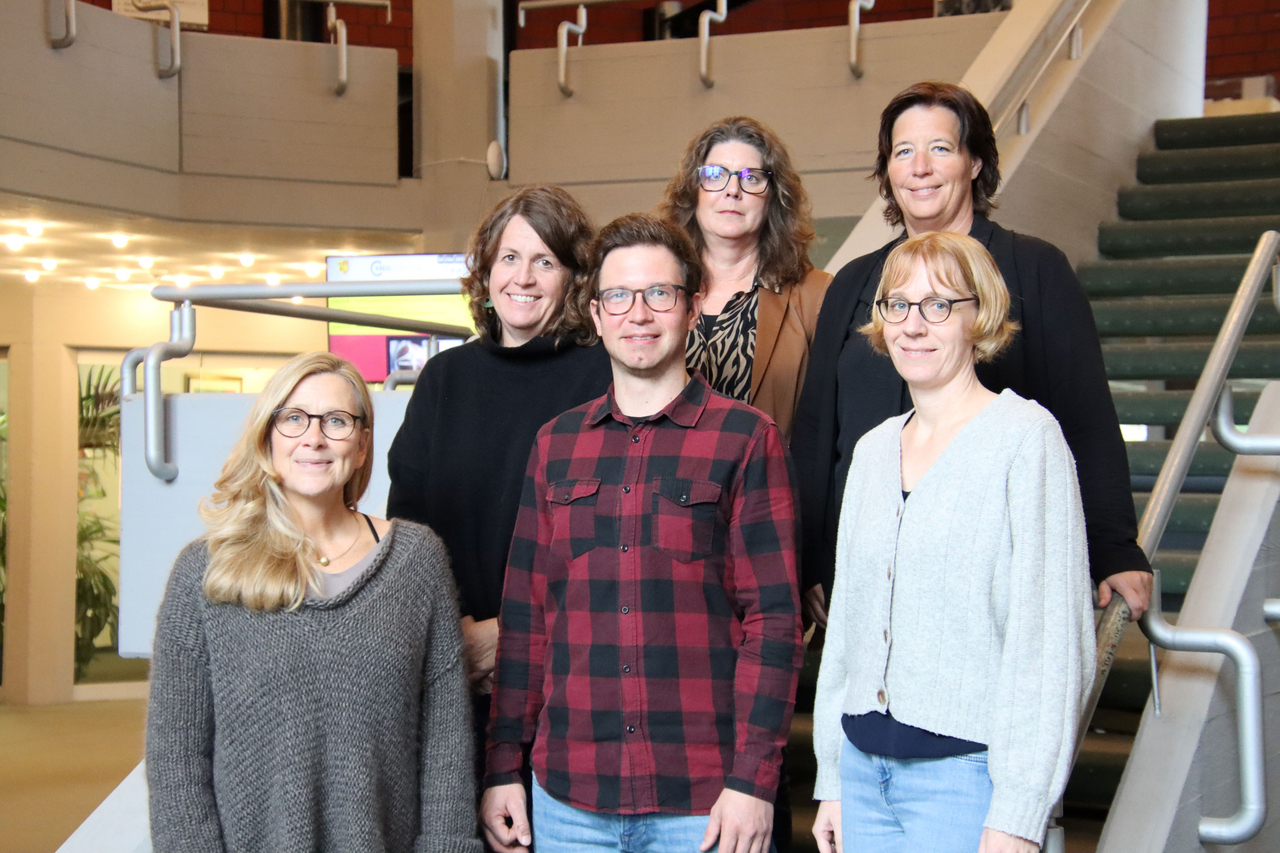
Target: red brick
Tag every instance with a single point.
(249, 25)
(358, 33)
(1228, 66)
(1220, 27)
(222, 22)
(1251, 43)
(1269, 22)
(1245, 7)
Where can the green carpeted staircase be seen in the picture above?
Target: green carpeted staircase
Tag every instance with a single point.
(1168, 270)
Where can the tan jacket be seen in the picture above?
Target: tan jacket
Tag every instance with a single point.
(785, 323)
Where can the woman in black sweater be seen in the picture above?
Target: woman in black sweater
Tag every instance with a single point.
(458, 462)
(938, 168)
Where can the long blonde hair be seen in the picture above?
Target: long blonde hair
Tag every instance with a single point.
(259, 556)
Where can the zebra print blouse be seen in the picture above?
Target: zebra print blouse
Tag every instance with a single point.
(722, 347)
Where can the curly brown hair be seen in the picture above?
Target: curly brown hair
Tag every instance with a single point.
(563, 225)
(788, 224)
(976, 137)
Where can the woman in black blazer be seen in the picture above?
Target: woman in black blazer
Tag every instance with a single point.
(938, 168)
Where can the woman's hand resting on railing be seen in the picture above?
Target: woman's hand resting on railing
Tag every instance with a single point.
(995, 841)
(1134, 588)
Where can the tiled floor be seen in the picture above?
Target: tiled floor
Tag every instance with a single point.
(57, 763)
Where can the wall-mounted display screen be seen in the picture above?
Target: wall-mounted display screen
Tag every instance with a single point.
(377, 352)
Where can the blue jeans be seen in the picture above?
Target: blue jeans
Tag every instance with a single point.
(561, 827)
(910, 805)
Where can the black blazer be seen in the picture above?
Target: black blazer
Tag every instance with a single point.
(1055, 359)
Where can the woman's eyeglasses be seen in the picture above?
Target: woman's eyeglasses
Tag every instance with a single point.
(715, 178)
(336, 425)
(618, 300)
(935, 309)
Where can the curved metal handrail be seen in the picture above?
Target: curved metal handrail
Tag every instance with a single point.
(705, 20)
(338, 29)
(1229, 435)
(855, 28)
(562, 48)
(153, 396)
(1010, 103)
(396, 378)
(69, 35)
(175, 34)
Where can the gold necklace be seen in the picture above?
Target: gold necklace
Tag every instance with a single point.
(324, 561)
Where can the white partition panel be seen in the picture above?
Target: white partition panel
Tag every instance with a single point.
(157, 519)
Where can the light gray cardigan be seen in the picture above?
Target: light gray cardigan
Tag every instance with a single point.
(967, 609)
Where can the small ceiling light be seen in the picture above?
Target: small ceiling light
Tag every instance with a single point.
(49, 264)
(91, 283)
(146, 262)
(31, 275)
(35, 229)
(313, 270)
(14, 243)
(246, 260)
(182, 280)
(216, 272)
(122, 275)
(120, 241)
(296, 300)
(272, 279)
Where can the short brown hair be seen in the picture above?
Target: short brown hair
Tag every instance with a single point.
(561, 223)
(976, 137)
(788, 223)
(643, 229)
(963, 264)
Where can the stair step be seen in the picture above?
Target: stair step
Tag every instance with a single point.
(1256, 359)
(1192, 513)
(1165, 237)
(1192, 165)
(1218, 131)
(1153, 316)
(1194, 201)
(1163, 277)
(1166, 408)
(1211, 460)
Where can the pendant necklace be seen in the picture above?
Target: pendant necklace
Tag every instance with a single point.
(324, 561)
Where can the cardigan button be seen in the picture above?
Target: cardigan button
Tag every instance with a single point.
(880, 696)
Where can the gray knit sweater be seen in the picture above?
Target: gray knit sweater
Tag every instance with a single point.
(342, 726)
(965, 611)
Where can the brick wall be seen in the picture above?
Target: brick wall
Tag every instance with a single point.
(1244, 41)
(624, 21)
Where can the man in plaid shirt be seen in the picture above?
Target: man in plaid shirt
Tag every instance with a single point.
(650, 629)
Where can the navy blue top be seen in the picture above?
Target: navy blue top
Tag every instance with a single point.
(881, 734)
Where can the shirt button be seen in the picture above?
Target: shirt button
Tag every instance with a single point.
(626, 668)
(624, 549)
(635, 439)
(631, 730)
(626, 490)
(626, 609)
(684, 499)
(880, 696)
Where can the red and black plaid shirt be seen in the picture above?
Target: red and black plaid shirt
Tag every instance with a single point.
(650, 620)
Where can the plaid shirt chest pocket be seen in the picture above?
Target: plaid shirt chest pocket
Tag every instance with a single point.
(684, 513)
(573, 516)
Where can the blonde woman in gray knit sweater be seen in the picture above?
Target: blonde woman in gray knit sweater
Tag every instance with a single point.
(960, 641)
(307, 687)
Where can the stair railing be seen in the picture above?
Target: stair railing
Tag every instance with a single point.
(1248, 819)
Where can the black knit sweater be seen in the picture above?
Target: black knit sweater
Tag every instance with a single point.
(458, 462)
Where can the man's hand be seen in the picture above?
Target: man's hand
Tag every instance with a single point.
(743, 824)
(826, 827)
(813, 606)
(500, 803)
(995, 841)
(479, 650)
(1134, 588)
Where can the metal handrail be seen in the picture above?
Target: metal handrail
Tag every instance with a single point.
(526, 5)
(129, 370)
(562, 48)
(705, 20)
(377, 4)
(855, 28)
(69, 35)
(1011, 101)
(1246, 822)
(396, 378)
(175, 34)
(1229, 435)
(338, 29)
(154, 423)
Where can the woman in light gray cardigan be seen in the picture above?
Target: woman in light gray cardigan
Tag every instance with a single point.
(960, 642)
(307, 688)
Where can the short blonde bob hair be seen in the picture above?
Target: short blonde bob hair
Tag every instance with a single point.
(258, 555)
(961, 263)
